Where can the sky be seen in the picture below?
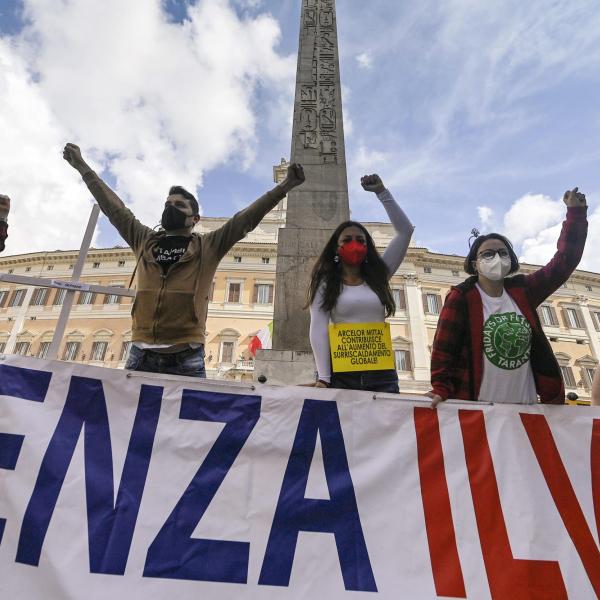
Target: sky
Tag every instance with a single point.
(475, 114)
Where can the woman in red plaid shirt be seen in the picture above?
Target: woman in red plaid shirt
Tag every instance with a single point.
(489, 344)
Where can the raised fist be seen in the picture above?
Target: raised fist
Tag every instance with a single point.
(4, 206)
(574, 198)
(372, 183)
(295, 176)
(72, 154)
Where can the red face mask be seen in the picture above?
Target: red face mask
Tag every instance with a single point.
(352, 253)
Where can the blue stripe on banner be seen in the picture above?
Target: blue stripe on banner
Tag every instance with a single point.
(27, 384)
(174, 553)
(10, 446)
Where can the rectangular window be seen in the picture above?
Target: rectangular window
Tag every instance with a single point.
(237, 259)
(96, 265)
(43, 349)
(572, 318)
(2, 347)
(589, 288)
(455, 274)
(263, 293)
(403, 360)
(211, 293)
(399, 298)
(234, 292)
(3, 297)
(18, 297)
(71, 351)
(59, 297)
(27, 269)
(98, 350)
(125, 347)
(590, 373)
(22, 348)
(548, 316)
(121, 263)
(568, 378)
(265, 260)
(427, 269)
(50, 268)
(227, 352)
(86, 297)
(432, 304)
(40, 295)
(595, 315)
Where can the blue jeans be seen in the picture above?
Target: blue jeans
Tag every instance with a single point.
(188, 362)
(384, 382)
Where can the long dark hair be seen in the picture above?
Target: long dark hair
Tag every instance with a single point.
(472, 256)
(373, 271)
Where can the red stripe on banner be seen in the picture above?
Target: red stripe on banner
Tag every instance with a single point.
(595, 464)
(509, 578)
(445, 562)
(562, 491)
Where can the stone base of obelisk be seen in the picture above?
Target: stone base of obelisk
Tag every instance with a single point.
(284, 367)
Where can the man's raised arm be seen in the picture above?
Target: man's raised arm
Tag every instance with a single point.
(247, 219)
(131, 230)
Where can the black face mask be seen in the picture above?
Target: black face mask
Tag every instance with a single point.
(173, 218)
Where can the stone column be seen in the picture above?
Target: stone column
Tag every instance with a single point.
(418, 329)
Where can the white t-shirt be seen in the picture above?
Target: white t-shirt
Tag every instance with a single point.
(507, 374)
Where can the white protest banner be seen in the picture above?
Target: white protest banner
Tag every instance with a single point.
(127, 485)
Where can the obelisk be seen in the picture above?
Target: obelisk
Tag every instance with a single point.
(317, 207)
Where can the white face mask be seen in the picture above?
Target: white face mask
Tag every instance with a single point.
(495, 268)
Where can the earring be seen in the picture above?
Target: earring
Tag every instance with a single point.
(336, 259)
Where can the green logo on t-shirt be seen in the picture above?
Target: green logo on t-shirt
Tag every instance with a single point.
(507, 340)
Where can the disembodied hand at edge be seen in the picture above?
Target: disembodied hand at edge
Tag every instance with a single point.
(4, 206)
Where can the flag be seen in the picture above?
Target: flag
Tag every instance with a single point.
(262, 340)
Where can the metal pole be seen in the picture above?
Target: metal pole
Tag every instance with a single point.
(70, 295)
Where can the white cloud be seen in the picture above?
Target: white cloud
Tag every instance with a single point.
(49, 209)
(154, 102)
(486, 216)
(534, 222)
(365, 60)
(531, 214)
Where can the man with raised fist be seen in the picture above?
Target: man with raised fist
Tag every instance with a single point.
(175, 268)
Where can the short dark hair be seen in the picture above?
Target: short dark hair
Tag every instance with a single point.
(177, 189)
(472, 256)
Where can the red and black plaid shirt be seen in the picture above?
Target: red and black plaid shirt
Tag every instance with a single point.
(3, 233)
(457, 353)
